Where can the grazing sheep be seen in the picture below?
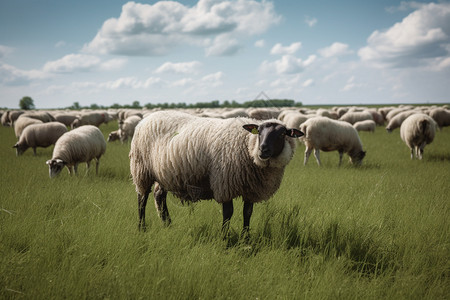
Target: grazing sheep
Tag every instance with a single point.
(113, 136)
(294, 119)
(367, 125)
(66, 118)
(354, 116)
(14, 115)
(441, 116)
(417, 131)
(127, 127)
(82, 144)
(206, 158)
(5, 119)
(89, 118)
(41, 115)
(324, 134)
(21, 123)
(397, 120)
(263, 113)
(39, 135)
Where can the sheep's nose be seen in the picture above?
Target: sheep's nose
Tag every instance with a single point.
(264, 152)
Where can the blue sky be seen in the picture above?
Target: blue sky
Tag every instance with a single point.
(316, 52)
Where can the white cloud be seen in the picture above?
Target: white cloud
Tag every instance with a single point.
(308, 83)
(5, 51)
(311, 22)
(214, 79)
(81, 63)
(404, 6)
(60, 44)
(10, 75)
(144, 29)
(260, 43)
(288, 64)
(351, 84)
(291, 49)
(223, 45)
(418, 39)
(335, 49)
(179, 68)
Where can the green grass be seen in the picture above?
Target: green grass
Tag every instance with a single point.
(379, 231)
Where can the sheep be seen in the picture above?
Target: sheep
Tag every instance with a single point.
(127, 127)
(89, 118)
(366, 125)
(82, 144)
(294, 119)
(263, 113)
(21, 123)
(206, 158)
(354, 116)
(113, 136)
(397, 120)
(325, 134)
(65, 118)
(417, 131)
(441, 116)
(14, 115)
(39, 135)
(42, 115)
(5, 118)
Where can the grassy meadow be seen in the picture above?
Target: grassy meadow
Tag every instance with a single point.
(381, 231)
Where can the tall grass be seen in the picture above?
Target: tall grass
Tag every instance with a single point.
(378, 231)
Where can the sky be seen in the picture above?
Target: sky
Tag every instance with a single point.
(322, 52)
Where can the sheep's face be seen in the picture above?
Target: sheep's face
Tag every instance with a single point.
(113, 136)
(55, 166)
(20, 149)
(358, 158)
(271, 138)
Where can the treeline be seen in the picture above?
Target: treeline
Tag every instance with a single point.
(212, 104)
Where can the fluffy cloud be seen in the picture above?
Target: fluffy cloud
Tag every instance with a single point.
(335, 49)
(419, 39)
(180, 68)
(287, 64)
(260, 43)
(280, 50)
(81, 63)
(10, 75)
(223, 45)
(310, 21)
(144, 29)
(4, 51)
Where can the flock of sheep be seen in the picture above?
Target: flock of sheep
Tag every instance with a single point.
(216, 154)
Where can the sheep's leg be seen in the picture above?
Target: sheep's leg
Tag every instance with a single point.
(75, 168)
(161, 204)
(317, 155)
(247, 212)
(341, 153)
(420, 149)
(412, 153)
(70, 168)
(97, 163)
(227, 212)
(307, 154)
(88, 166)
(34, 151)
(142, 202)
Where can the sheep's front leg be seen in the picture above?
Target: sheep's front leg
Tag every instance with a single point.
(227, 212)
(34, 151)
(142, 202)
(161, 205)
(247, 212)
(341, 153)
(97, 163)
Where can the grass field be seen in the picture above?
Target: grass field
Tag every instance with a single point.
(381, 231)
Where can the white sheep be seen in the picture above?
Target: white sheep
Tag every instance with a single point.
(354, 116)
(366, 125)
(89, 118)
(114, 136)
(397, 120)
(127, 127)
(263, 113)
(82, 144)
(324, 134)
(417, 131)
(206, 158)
(65, 118)
(21, 123)
(39, 115)
(39, 135)
(441, 116)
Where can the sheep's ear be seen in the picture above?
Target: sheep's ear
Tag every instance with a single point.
(253, 128)
(49, 162)
(16, 146)
(294, 133)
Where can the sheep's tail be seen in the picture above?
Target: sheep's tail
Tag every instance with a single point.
(424, 126)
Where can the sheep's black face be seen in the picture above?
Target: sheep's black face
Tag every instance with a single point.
(271, 138)
(54, 167)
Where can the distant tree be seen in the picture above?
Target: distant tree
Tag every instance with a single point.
(26, 103)
(75, 105)
(136, 104)
(94, 106)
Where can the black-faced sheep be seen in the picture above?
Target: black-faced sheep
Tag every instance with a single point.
(39, 135)
(417, 131)
(330, 135)
(82, 144)
(206, 158)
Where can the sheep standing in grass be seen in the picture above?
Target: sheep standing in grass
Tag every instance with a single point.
(39, 135)
(89, 118)
(127, 127)
(82, 144)
(366, 125)
(329, 135)
(206, 158)
(354, 116)
(417, 131)
(441, 116)
(22, 123)
(397, 120)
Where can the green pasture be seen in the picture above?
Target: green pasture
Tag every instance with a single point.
(381, 231)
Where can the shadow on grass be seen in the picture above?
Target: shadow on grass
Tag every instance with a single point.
(437, 157)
